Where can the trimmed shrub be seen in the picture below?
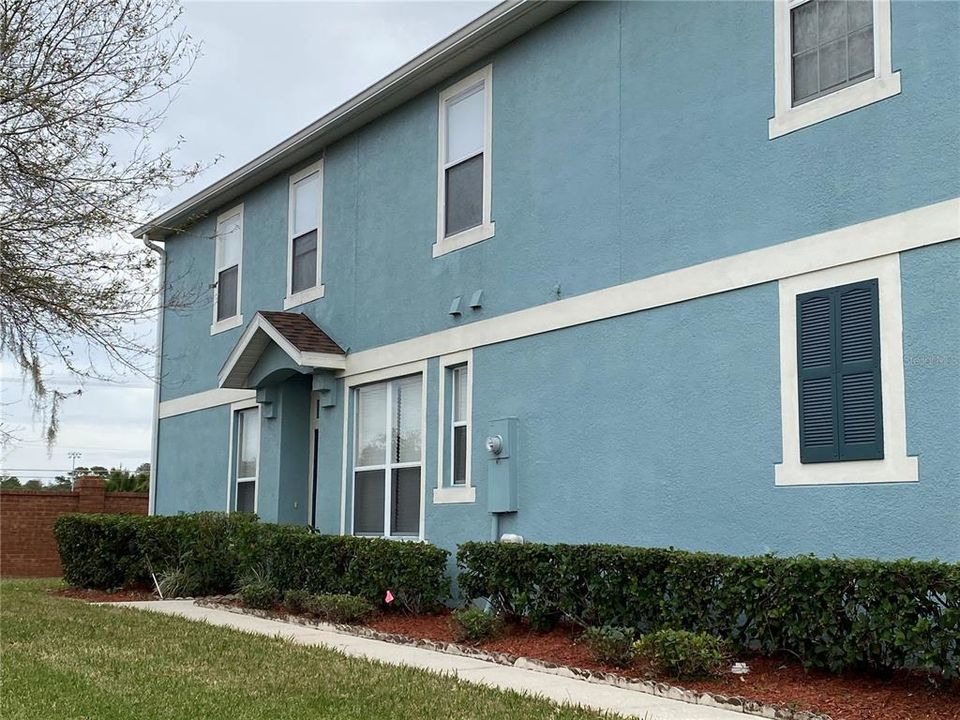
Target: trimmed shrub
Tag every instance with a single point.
(296, 600)
(205, 551)
(610, 645)
(367, 567)
(338, 608)
(683, 654)
(472, 624)
(831, 613)
(213, 553)
(260, 595)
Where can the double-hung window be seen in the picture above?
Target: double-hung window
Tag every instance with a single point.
(832, 56)
(304, 253)
(459, 427)
(227, 273)
(454, 484)
(247, 459)
(463, 185)
(388, 458)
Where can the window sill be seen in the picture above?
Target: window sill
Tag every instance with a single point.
(454, 495)
(854, 472)
(464, 239)
(227, 324)
(829, 106)
(302, 297)
(393, 538)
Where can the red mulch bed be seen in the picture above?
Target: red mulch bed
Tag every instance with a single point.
(96, 596)
(771, 680)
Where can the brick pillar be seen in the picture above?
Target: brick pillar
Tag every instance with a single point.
(93, 493)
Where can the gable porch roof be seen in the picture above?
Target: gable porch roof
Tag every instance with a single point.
(297, 335)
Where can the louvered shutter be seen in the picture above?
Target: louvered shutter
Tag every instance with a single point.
(838, 361)
(858, 361)
(816, 363)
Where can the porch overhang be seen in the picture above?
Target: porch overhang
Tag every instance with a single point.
(295, 334)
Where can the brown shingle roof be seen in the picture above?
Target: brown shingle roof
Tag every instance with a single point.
(302, 332)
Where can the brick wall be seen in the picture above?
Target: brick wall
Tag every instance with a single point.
(27, 545)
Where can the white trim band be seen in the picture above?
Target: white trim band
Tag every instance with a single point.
(875, 238)
(894, 233)
(203, 401)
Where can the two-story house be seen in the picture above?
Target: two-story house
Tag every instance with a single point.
(654, 273)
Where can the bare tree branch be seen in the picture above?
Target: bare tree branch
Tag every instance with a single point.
(84, 85)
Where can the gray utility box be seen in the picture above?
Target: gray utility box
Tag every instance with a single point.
(503, 465)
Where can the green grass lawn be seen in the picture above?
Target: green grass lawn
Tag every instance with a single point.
(66, 659)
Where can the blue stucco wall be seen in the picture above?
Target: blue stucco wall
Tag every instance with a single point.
(671, 440)
(628, 140)
(192, 457)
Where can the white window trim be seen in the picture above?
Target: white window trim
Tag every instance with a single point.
(231, 480)
(485, 229)
(446, 492)
(885, 83)
(219, 326)
(895, 466)
(292, 299)
(349, 469)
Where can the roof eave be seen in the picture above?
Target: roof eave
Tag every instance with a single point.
(490, 31)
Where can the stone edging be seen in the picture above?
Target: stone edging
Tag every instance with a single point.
(671, 692)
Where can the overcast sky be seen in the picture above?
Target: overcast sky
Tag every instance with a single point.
(267, 69)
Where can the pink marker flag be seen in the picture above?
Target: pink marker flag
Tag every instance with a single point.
(389, 597)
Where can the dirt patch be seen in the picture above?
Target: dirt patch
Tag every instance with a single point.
(97, 596)
(771, 680)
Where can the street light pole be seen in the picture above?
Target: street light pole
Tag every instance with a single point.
(74, 456)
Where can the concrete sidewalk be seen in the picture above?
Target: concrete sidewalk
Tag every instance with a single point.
(625, 702)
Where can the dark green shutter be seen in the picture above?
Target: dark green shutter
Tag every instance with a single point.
(816, 363)
(858, 371)
(838, 361)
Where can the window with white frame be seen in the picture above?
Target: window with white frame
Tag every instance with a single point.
(832, 46)
(843, 421)
(388, 457)
(455, 411)
(227, 271)
(459, 426)
(463, 184)
(247, 461)
(305, 236)
(832, 56)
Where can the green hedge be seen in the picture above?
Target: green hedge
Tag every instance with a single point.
(366, 567)
(833, 614)
(216, 551)
(112, 551)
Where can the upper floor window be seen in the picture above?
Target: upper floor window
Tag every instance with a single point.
(227, 271)
(832, 56)
(832, 46)
(305, 236)
(463, 186)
